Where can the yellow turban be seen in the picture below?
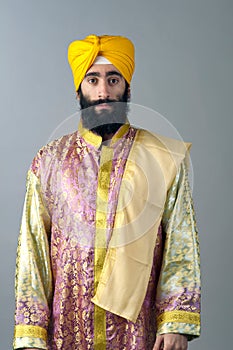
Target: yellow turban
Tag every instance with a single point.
(117, 49)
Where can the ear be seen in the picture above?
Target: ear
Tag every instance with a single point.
(128, 94)
(77, 95)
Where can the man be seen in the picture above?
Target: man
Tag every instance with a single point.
(108, 254)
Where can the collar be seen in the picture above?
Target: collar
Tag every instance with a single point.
(96, 140)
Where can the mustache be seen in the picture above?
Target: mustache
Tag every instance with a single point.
(100, 101)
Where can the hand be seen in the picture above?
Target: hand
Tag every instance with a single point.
(171, 341)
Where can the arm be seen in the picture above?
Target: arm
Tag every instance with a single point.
(178, 290)
(33, 287)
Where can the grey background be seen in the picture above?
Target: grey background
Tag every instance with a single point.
(184, 70)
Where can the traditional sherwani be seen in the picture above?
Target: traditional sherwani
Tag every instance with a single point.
(108, 252)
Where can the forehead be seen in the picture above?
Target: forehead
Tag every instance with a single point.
(103, 69)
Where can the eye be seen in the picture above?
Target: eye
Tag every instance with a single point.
(113, 81)
(92, 81)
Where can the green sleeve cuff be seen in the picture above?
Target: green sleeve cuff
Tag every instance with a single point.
(28, 336)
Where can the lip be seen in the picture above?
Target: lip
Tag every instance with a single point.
(103, 106)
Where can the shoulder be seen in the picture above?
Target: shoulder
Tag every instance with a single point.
(167, 153)
(53, 152)
(162, 143)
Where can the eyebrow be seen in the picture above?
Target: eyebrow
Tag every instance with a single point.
(97, 74)
(113, 72)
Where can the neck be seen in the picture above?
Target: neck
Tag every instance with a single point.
(107, 137)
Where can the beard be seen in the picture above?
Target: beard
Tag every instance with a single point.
(104, 121)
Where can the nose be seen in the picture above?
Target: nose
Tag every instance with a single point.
(103, 91)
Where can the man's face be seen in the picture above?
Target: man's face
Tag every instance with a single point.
(103, 81)
(103, 86)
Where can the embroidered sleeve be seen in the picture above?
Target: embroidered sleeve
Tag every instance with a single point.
(33, 287)
(178, 292)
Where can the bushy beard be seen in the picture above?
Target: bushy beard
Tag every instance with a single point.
(104, 121)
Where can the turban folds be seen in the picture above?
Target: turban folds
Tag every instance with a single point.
(117, 49)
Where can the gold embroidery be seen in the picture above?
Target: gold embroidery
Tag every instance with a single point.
(89, 136)
(100, 240)
(179, 316)
(30, 331)
(119, 134)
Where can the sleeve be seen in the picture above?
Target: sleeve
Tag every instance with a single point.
(178, 290)
(33, 285)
